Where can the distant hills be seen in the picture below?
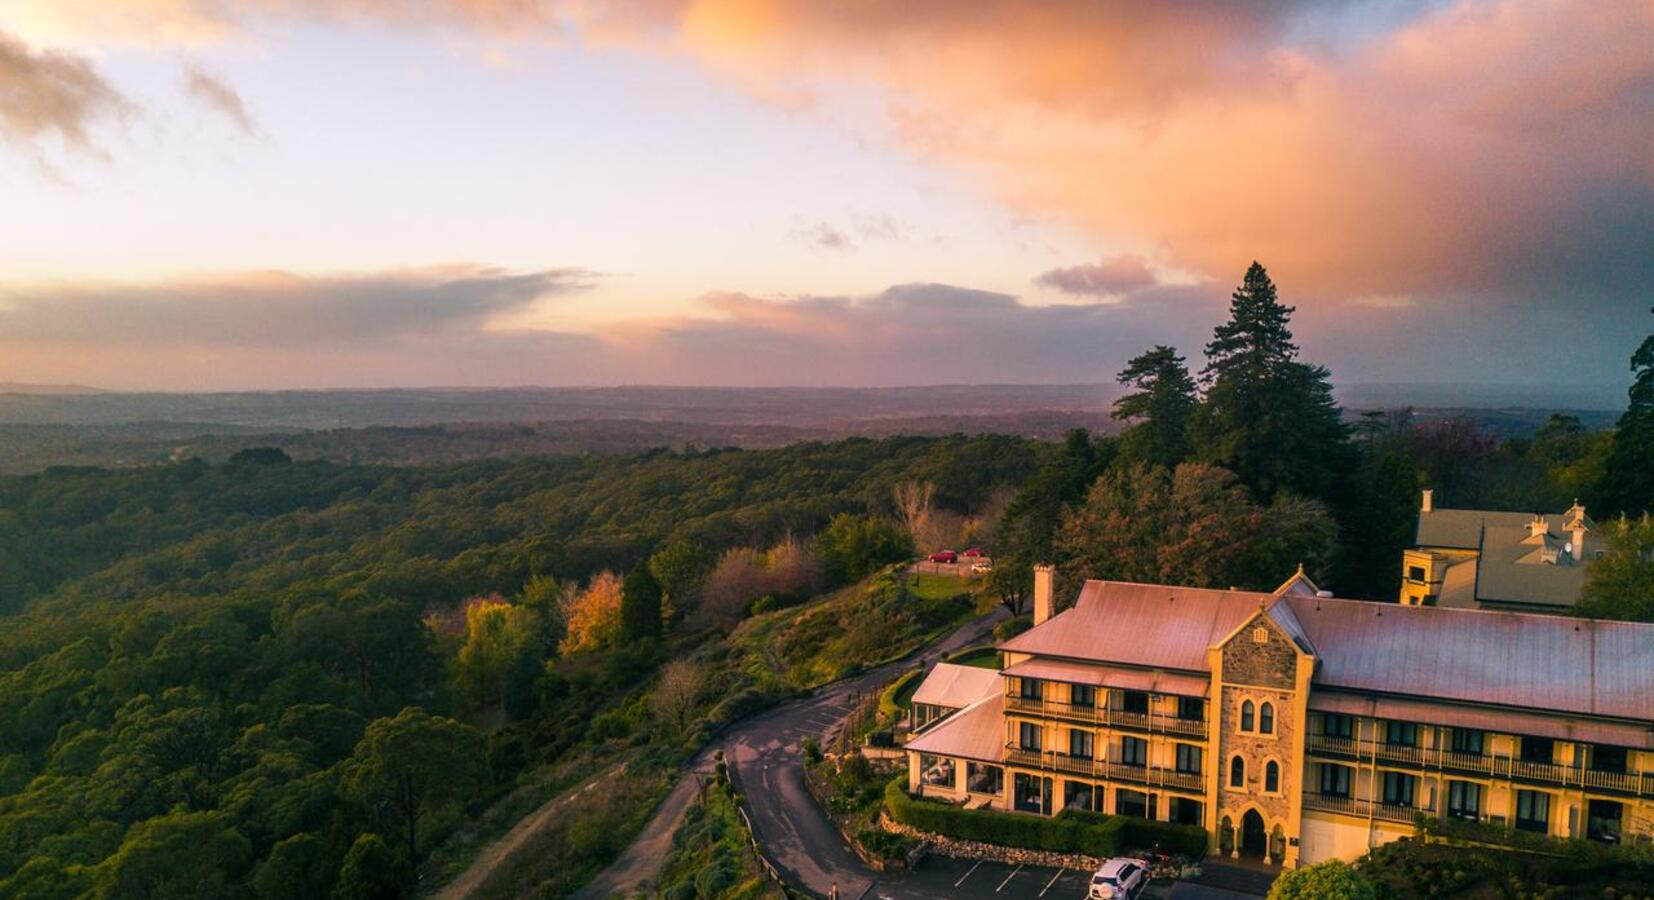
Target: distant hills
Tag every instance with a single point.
(45, 425)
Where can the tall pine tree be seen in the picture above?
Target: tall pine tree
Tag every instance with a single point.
(1268, 417)
(1160, 408)
(1628, 474)
(640, 608)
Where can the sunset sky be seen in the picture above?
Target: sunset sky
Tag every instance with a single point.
(228, 194)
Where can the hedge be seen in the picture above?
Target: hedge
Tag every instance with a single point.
(1091, 834)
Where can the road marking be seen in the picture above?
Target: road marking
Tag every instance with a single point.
(1008, 878)
(1051, 882)
(967, 874)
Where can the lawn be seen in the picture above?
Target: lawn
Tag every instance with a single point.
(981, 657)
(939, 587)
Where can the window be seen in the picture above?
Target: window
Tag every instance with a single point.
(1399, 788)
(1184, 811)
(1237, 772)
(1131, 803)
(1335, 780)
(1464, 800)
(1079, 743)
(1134, 751)
(1189, 758)
(936, 770)
(1247, 723)
(1538, 750)
(1466, 740)
(1405, 734)
(1415, 573)
(1602, 821)
(1260, 635)
(1135, 702)
(1031, 794)
(1028, 733)
(1337, 726)
(1607, 759)
(1266, 718)
(1030, 688)
(1079, 795)
(1272, 777)
(1533, 811)
(1082, 695)
(983, 779)
(1191, 708)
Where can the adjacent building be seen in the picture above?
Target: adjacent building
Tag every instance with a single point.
(1298, 727)
(1480, 559)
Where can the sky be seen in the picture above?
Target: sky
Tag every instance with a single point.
(265, 194)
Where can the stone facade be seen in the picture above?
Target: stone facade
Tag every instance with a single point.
(1260, 668)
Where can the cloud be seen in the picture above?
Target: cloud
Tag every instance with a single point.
(221, 98)
(1112, 277)
(824, 236)
(274, 309)
(47, 95)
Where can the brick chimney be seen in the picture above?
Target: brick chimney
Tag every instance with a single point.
(1429, 502)
(1044, 592)
(1576, 528)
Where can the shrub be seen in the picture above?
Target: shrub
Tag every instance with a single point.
(1330, 880)
(1010, 628)
(1064, 834)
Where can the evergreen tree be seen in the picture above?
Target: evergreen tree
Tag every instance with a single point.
(1031, 519)
(1628, 473)
(640, 605)
(1160, 408)
(1269, 418)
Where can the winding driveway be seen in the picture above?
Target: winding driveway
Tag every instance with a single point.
(766, 765)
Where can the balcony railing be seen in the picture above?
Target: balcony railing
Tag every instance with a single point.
(1102, 715)
(1486, 765)
(1352, 806)
(1105, 769)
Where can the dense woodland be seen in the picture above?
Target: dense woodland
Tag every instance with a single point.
(266, 678)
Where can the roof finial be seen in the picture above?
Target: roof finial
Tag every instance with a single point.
(1300, 567)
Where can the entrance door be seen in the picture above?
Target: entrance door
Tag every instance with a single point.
(1254, 839)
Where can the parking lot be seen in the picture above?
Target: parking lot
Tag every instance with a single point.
(940, 877)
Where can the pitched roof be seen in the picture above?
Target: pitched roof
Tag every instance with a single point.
(956, 686)
(1540, 662)
(1125, 679)
(1141, 625)
(1515, 566)
(975, 732)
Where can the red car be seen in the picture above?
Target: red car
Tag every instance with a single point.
(974, 552)
(944, 556)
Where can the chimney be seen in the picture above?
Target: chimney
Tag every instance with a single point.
(1576, 527)
(1429, 503)
(1043, 575)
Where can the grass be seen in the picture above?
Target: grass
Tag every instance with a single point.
(939, 587)
(981, 657)
(709, 855)
(902, 696)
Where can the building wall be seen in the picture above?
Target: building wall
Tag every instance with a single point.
(1259, 665)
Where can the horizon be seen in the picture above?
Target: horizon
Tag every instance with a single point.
(269, 196)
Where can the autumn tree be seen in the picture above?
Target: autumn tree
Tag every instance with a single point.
(1159, 408)
(591, 618)
(681, 684)
(498, 636)
(416, 767)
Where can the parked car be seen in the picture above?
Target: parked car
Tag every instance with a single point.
(1118, 879)
(974, 552)
(981, 568)
(944, 556)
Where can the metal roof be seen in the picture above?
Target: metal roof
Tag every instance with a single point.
(1148, 625)
(1537, 662)
(975, 732)
(1482, 718)
(1124, 679)
(955, 686)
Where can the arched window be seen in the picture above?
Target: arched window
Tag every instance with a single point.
(1266, 718)
(1237, 772)
(1246, 716)
(1271, 775)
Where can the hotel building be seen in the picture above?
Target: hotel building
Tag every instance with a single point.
(1297, 727)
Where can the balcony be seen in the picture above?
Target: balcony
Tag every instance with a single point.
(1485, 765)
(1153, 776)
(1351, 806)
(1110, 718)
